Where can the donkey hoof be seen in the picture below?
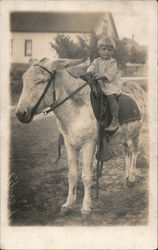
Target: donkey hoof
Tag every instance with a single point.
(128, 183)
(131, 179)
(65, 211)
(125, 184)
(85, 215)
(131, 184)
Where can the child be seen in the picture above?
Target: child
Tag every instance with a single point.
(105, 70)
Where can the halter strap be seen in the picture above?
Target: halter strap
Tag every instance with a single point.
(52, 77)
(46, 89)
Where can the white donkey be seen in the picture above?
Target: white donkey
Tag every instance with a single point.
(45, 80)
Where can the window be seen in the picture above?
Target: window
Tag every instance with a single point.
(28, 47)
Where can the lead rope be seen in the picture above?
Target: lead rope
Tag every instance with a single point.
(99, 167)
(100, 163)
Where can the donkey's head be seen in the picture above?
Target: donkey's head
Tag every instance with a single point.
(36, 82)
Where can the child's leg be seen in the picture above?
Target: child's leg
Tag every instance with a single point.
(114, 112)
(113, 105)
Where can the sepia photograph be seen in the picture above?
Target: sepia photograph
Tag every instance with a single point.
(79, 124)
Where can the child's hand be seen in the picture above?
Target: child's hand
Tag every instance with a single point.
(89, 74)
(101, 78)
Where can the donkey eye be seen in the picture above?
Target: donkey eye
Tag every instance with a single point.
(40, 82)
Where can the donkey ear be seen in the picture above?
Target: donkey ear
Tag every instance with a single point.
(33, 61)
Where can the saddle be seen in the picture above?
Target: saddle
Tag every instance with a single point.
(128, 109)
(128, 112)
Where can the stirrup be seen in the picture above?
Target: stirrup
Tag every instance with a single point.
(108, 129)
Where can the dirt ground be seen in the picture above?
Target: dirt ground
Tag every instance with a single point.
(38, 186)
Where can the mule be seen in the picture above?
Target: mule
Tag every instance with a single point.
(46, 79)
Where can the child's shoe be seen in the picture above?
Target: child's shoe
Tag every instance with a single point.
(114, 125)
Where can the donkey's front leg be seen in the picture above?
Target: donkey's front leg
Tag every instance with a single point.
(87, 160)
(72, 155)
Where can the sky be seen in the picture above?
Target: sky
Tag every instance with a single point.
(129, 24)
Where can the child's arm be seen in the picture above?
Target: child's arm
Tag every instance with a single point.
(91, 68)
(111, 71)
(104, 78)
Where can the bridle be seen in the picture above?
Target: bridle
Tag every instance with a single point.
(54, 104)
(52, 77)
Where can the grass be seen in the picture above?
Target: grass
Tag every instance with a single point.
(43, 185)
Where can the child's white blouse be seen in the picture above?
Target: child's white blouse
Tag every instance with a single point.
(108, 68)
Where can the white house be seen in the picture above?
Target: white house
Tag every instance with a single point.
(32, 32)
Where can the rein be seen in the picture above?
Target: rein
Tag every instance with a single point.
(55, 105)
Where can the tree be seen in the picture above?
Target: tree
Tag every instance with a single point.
(121, 54)
(137, 55)
(93, 46)
(67, 48)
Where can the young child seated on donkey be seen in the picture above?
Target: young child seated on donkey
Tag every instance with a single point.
(105, 70)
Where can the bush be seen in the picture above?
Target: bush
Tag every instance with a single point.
(16, 72)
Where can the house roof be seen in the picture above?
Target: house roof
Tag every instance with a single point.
(55, 21)
(113, 24)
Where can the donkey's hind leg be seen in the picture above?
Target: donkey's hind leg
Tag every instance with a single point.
(72, 155)
(135, 148)
(130, 162)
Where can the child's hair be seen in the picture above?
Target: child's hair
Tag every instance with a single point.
(106, 41)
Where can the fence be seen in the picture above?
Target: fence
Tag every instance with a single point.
(135, 70)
